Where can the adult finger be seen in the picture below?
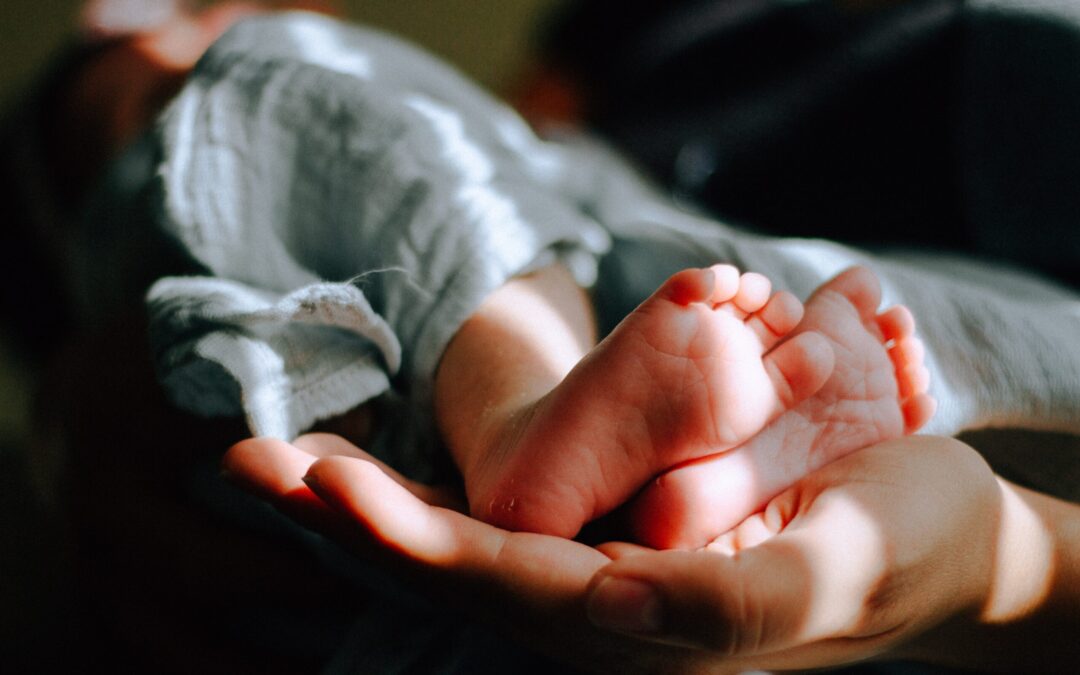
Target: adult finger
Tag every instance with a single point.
(273, 470)
(530, 585)
(437, 538)
(331, 445)
(268, 467)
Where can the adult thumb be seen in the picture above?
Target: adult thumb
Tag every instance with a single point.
(798, 587)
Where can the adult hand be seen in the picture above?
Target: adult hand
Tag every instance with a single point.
(531, 586)
(904, 549)
(909, 549)
(856, 560)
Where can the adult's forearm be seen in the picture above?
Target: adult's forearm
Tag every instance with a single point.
(1030, 621)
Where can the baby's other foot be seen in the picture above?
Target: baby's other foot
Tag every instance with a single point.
(877, 391)
(696, 368)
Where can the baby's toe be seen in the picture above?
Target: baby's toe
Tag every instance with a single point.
(725, 284)
(861, 288)
(776, 319)
(908, 351)
(912, 380)
(896, 323)
(798, 368)
(917, 411)
(753, 293)
(712, 285)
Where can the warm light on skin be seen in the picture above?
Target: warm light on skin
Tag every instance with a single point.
(881, 519)
(532, 331)
(400, 521)
(839, 577)
(545, 319)
(1024, 566)
(753, 531)
(840, 585)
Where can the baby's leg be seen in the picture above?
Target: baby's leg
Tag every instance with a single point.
(876, 392)
(691, 371)
(518, 345)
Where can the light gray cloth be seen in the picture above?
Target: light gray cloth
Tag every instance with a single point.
(353, 200)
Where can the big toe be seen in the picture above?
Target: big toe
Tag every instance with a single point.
(712, 285)
(780, 315)
(799, 367)
(859, 285)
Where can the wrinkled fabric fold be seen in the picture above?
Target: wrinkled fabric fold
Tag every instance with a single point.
(353, 201)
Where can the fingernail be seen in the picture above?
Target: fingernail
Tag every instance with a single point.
(625, 605)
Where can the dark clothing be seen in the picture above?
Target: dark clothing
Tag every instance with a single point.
(922, 123)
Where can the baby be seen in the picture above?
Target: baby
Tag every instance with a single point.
(418, 239)
(729, 393)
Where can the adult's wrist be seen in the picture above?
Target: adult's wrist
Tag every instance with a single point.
(1030, 614)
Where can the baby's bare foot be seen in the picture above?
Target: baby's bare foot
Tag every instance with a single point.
(694, 369)
(877, 391)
